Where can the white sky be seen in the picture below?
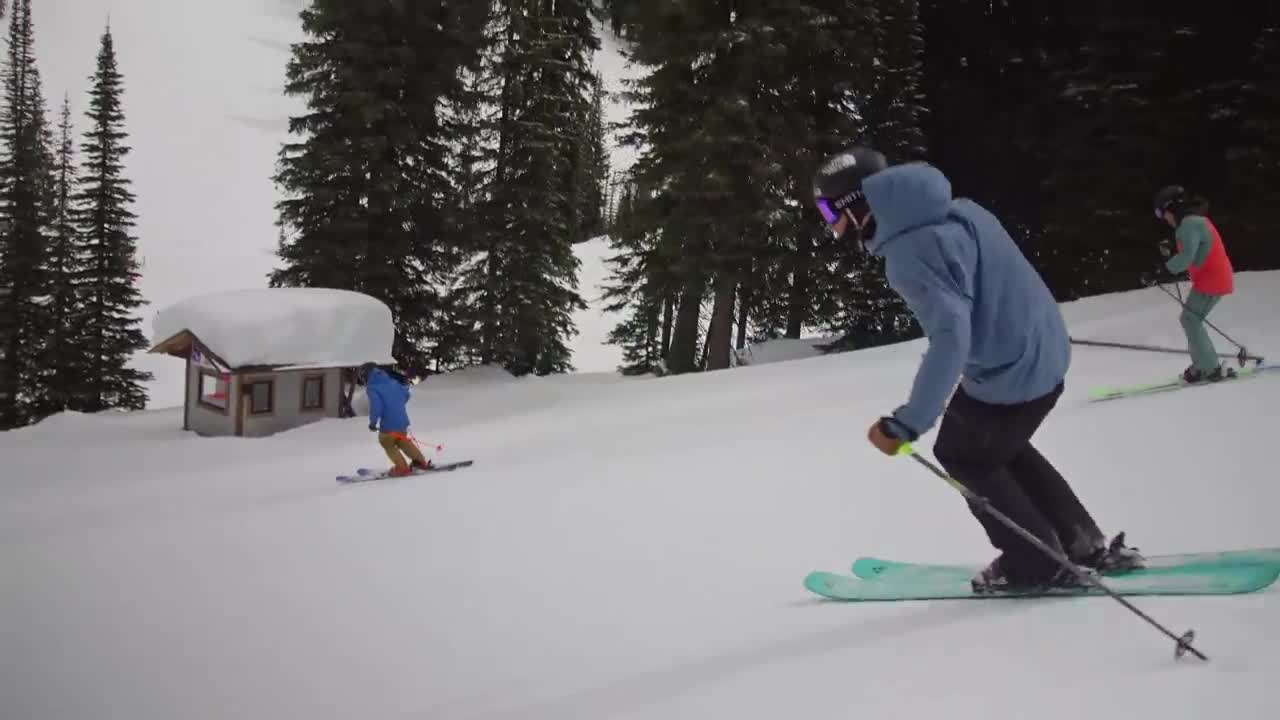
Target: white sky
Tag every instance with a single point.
(206, 117)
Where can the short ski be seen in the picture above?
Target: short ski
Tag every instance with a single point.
(1204, 580)
(1174, 383)
(868, 567)
(368, 475)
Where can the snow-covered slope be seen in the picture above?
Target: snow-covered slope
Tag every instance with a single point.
(626, 548)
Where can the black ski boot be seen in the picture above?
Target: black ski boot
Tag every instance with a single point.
(1194, 375)
(992, 580)
(1116, 557)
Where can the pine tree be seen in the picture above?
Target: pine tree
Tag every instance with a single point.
(109, 328)
(817, 101)
(867, 310)
(640, 287)
(521, 281)
(739, 104)
(65, 357)
(703, 153)
(25, 191)
(591, 166)
(368, 201)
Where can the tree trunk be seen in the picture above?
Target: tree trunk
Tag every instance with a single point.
(744, 310)
(682, 355)
(720, 333)
(751, 279)
(668, 321)
(798, 299)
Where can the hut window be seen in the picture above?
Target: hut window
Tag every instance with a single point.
(213, 390)
(313, 393)
(261, 394)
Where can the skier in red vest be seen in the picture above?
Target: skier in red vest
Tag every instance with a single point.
(1203, 257)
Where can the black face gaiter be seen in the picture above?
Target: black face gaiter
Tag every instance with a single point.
(861, 230)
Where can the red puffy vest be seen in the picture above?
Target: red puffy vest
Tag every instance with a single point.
(1214, 276)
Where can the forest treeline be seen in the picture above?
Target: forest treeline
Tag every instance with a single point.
(451, 154)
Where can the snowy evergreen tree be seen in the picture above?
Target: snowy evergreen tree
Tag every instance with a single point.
(521, 279)
(865, 308)
(25, 194)
(369, 205)
(591, 166)
(109, 326)
(738, 106)
(64, 361)
(640, 286)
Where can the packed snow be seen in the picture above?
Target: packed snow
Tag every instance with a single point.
(318, 327)
(629, 547)
(780, 350)
(591, 351)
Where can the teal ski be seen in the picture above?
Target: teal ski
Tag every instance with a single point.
(1183, 580)
(1173, 383)
(868, 567)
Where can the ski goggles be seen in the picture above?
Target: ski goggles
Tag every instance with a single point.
(832, 209)
(828, 210)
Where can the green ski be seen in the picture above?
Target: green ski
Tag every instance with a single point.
(1181, 580)
(1174, 383)
(869, 567)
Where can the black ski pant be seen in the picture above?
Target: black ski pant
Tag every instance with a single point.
(987, 448)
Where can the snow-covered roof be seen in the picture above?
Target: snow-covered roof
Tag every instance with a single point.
(315, 327)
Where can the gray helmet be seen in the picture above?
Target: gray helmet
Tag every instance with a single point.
(1170, 198)
(837, 184)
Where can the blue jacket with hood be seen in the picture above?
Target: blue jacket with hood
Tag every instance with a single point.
(992, 323)
(387, 400)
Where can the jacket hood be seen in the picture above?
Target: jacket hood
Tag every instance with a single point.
(377, 376)
(904, 197)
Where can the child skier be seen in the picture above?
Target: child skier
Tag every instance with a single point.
(388, 398)
(1202, 255)
(993, 328)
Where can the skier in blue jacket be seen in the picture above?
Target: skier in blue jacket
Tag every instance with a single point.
(994, 329)
(389, 417)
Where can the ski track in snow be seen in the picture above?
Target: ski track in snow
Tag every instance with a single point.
(627, 547)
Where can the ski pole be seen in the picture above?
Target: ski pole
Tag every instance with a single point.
(1183, 641)
(438, 447)
(1243, 354)
(1155, 348)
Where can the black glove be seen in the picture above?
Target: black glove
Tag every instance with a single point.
(893, 427)
(1162, 274)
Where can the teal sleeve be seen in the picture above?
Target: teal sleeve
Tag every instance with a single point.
(1193, 235)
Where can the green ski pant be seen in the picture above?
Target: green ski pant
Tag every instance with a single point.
(1199, 344)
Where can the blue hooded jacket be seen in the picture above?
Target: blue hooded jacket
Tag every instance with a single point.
(992, 323)
(387, 400)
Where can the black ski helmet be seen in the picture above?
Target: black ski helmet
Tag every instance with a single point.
(1171, 198)
(837, 184)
